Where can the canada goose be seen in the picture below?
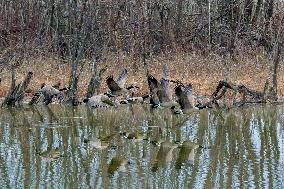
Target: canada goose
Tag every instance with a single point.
(135, 100)
(37, 96)
(99, 101)
(118, 87)
(47, 92)
(160, 92)
(164, 94)
(137, 136)
(185, 97)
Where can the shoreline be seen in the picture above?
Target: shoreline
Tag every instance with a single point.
(203, 72)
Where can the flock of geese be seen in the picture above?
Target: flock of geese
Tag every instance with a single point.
(160, 94)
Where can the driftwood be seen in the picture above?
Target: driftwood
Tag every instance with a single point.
(247, 95)
(16, 93)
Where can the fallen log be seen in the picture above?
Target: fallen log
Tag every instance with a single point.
(16, 93)
(248, 95)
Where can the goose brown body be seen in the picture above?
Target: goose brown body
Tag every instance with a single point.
(160, 92)
(117, 87)
(46, 93)
(185, 97)
(99, 101)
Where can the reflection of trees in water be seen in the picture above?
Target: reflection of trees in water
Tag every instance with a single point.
(243, 147)
(234, 159)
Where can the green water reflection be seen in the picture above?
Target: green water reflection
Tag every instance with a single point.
(133, 147)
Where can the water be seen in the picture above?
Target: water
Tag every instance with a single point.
(66, 147)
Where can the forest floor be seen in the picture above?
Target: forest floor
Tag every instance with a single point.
(203, 72)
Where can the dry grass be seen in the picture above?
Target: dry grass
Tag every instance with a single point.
(203, 72)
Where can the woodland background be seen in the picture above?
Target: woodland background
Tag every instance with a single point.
(201, 41)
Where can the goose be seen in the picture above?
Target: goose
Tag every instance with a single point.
(160, 93)
(164, 94)
(185, 97)
(99, 101)
(117, 87)
(135, 100)
(47, 92)
(137, 136)
(37, 96)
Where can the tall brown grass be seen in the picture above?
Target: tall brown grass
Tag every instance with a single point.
(203, 72)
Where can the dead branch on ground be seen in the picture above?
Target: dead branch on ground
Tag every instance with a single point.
(248, 95)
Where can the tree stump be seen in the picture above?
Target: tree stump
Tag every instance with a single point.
(16, 93)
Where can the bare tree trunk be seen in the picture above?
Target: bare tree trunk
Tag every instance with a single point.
(16, 95)
(277, 55)
(81, 36)
(269, 9)
(179, 17)
(248, 10)
(95, 82)
(257, 10)
(275, 70)
(71, 95)
(13, 78)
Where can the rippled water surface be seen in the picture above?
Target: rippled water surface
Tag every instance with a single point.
(133, 147)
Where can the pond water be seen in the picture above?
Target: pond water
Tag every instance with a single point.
(134, 147)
